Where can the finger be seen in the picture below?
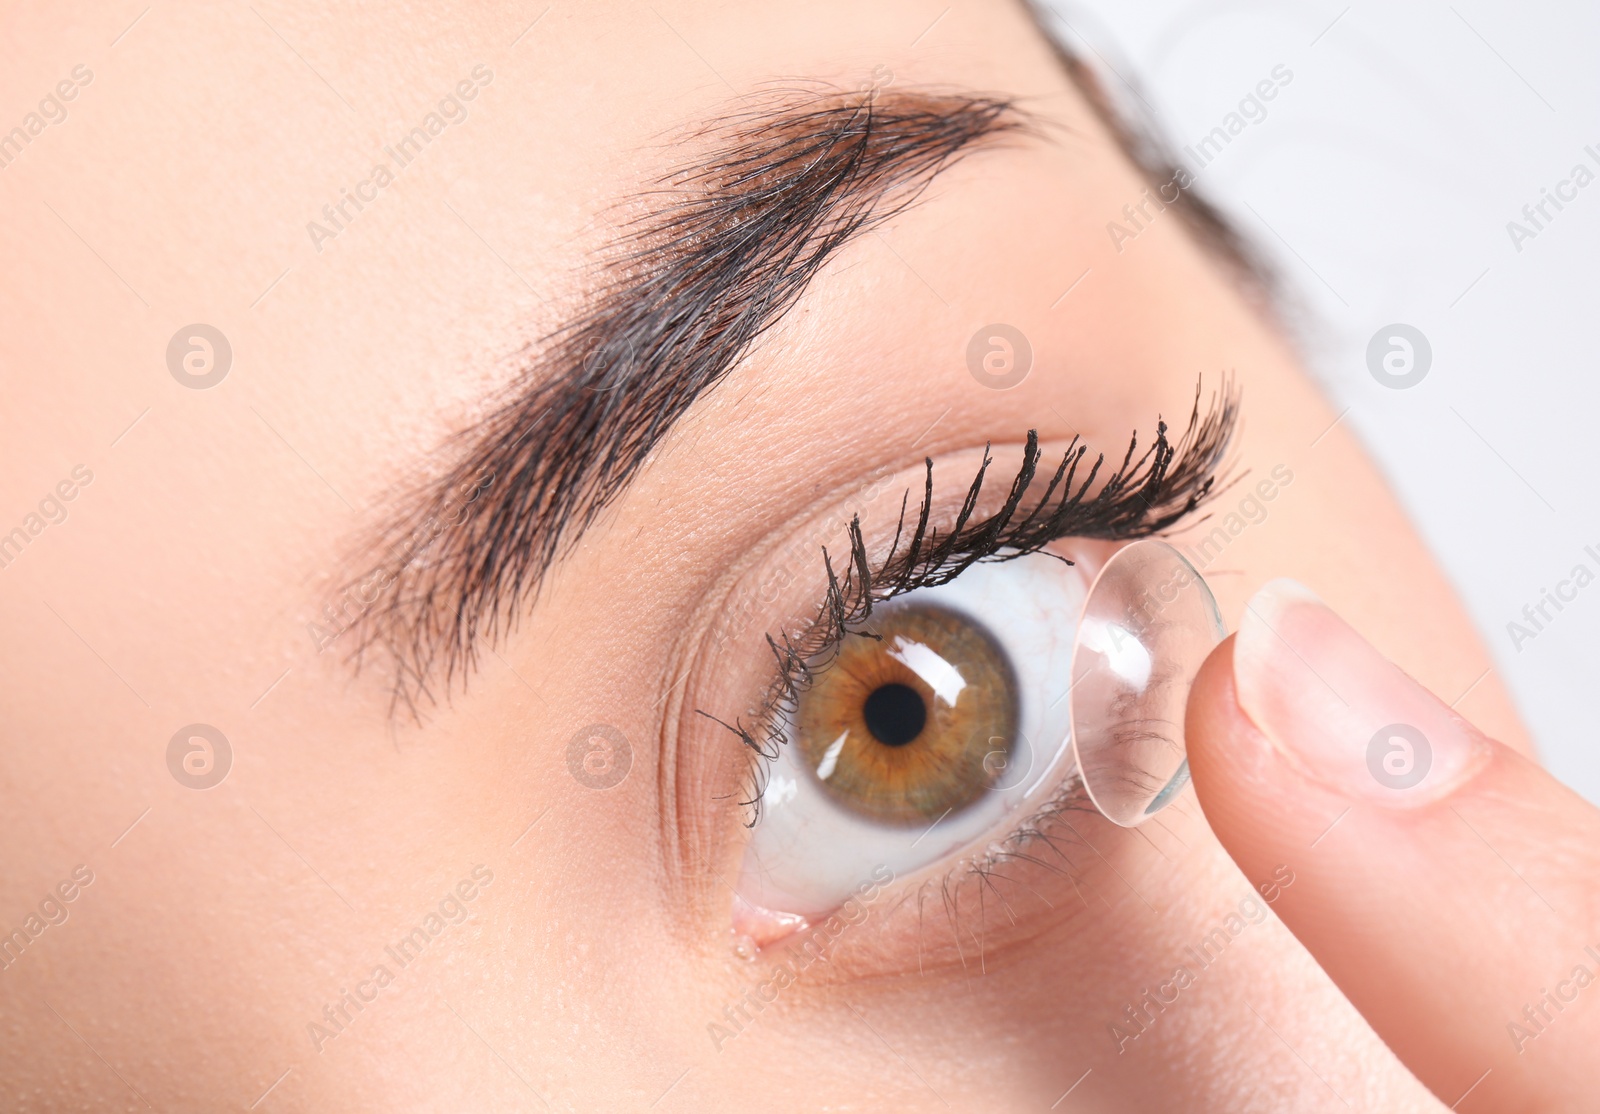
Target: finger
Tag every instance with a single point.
(1450, 887)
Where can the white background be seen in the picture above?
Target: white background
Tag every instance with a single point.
(1381, 183)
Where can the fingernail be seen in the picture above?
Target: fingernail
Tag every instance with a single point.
(1347, 715)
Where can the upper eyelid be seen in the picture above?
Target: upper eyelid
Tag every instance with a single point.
(1164, 485)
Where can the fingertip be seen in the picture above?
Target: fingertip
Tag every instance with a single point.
(1255, 801)
(1218, 734)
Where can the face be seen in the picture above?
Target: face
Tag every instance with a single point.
(417, 428)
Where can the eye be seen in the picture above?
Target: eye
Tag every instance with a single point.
(914, 723)
(928, 738)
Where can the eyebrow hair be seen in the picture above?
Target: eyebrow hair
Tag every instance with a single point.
(728, 244)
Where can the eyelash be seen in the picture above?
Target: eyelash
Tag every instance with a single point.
(1038, 827)
(1142, 497)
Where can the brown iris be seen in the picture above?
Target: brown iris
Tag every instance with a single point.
(909, 727)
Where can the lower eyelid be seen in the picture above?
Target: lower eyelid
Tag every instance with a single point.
(1045, 876)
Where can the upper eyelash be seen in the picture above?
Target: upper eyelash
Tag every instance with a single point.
(1142, 497)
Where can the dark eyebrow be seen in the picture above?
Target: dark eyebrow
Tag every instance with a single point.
(726, 247)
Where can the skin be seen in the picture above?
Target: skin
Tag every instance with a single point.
(1458, 915)
(217, 525)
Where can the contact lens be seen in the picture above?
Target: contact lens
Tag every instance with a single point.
(1148, 623)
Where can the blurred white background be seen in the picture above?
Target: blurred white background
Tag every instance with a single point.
(1382, 181)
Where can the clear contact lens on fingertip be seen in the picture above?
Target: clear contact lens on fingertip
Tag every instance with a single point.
(1148, 623)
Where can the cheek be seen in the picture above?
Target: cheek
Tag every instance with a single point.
(1031, 1011)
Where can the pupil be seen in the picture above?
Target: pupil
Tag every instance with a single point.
(895, 714)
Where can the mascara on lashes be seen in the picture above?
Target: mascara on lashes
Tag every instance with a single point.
(1143, 496)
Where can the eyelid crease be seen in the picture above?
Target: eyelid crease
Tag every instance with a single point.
(1142, 497)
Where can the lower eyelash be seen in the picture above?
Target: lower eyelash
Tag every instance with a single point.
(1036, 830)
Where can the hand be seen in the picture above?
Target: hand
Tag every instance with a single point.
(1449, 886)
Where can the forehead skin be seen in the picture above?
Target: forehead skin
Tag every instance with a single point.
(181, 584)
